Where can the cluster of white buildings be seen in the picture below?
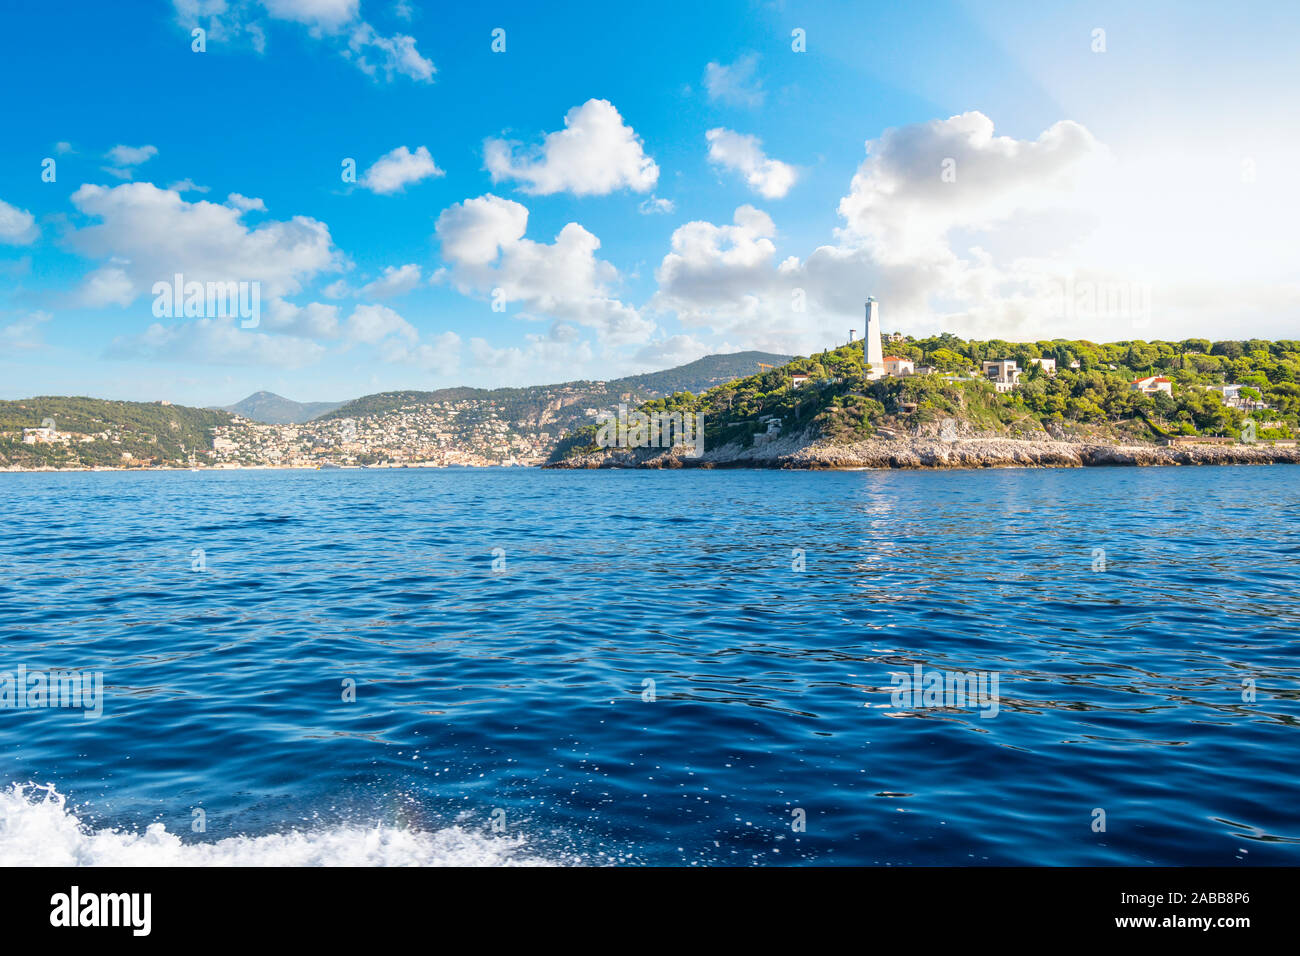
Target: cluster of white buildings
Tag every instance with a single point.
(1003, 373)
(1232, 397)
(875, 362)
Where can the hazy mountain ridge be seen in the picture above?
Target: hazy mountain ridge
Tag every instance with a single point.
(693, 377)
(273, 409)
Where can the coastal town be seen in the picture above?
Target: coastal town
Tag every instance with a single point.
(439, 434)
(1193, 392)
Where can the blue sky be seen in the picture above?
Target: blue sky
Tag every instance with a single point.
(632, 186)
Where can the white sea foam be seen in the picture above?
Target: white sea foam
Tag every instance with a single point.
(38, 829)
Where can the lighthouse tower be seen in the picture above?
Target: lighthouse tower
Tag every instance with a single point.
(873, 356)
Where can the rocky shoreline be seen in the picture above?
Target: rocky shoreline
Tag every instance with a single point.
(803, 452)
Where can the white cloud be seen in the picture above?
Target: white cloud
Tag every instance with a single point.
(336, 22)
(724, 277)
(315, 320)
(483, 243)
(558, 354)
(188, 186)
(324, 14)
(398, 168)
(17, 226)
(441, 356)
(62, 147)
(770, 178)
(215, 342)
(373, 323)
(245, 203)
(595, 154)
(920, 182)
(396, 281)
(654, 206)
(149, 234)
(130, 155)
(983, 254)
(24, 334)
(108, 285)
(396, 54)
(673, 351)
(736, 84)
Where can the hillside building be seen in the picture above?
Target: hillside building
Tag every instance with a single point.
(1003, 373)
(1152, 385)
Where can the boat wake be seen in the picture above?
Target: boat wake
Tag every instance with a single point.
(37, 828)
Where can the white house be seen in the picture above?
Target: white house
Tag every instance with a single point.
(1152, 384)
(44, 435)
(1003, 373)
(895, 366)
(1232, 397)
(1046, 364)
(797, 380)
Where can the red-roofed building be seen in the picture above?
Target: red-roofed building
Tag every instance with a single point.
(1152, 385)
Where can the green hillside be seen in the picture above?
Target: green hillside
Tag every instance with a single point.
(1091, 401)
(98, 432)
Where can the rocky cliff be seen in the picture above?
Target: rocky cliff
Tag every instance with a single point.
(804, 452)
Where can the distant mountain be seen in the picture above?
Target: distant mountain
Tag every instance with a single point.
(272, 409)
(701, 374)
(531, 402)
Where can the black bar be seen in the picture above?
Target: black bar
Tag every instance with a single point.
(335, 906)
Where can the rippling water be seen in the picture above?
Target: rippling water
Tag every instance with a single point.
(502, 712)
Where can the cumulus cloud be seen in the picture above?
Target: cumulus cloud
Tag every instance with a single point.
(373, 323)
(484, 246)
(107, 285)
(595, 154)
(148, 234)
(17, 226)
(398, 168)
(124, 159)
(130, 155)
(245, 203)
(335, 22)
(736, 84)
(721, 276)
(920, 182)
(188, 186)
(315, 320)
(770, 178)
(654, 205)
(24, 334)
(962, 254)
(374, 53)
(215, 342)
(323, 14)
(395, 281)
(556, 354)
(673, 351)
(442, 355)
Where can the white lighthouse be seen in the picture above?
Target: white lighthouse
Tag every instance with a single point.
(873, 356)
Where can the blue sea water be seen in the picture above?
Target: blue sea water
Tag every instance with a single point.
(501, 627)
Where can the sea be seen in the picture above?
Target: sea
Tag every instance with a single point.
(514, 666)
